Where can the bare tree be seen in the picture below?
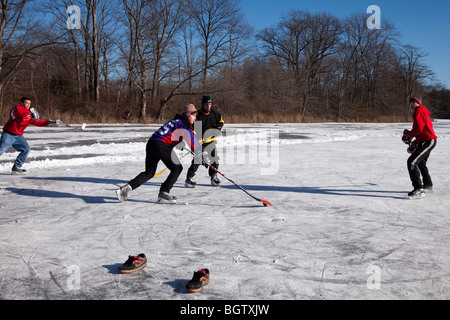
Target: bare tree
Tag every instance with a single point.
(90, 41)
(137, 47)
(166, 20)
(301, 42)
(411, 69)
(152, 28)
(94, 25)
(376, 53)
(17, 39)
(215, 22)
(152, 55)
(365, 63)
(322, 39)
(348, 62)
(220, 30)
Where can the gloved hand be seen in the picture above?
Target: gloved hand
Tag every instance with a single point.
(34, 114)
(202, 158)
(406, 138)
(55, 123)
(206, 159)
(412, 147)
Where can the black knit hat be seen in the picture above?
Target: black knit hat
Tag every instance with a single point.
(206, 99)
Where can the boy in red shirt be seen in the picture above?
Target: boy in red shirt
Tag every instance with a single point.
(425, 140)
(20, 117)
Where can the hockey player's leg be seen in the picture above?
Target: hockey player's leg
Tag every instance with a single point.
(414, 174)
(21, 145)
(213, 173)
(6, 141)
(427, 181)
(189, 182)
(151, 164)
(175, 172)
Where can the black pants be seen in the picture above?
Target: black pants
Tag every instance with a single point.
(210, 147)
(417, 164)
(158, 151)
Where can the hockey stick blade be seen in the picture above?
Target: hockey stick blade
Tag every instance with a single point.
(264, 202)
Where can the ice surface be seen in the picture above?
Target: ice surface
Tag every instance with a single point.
(341, 225)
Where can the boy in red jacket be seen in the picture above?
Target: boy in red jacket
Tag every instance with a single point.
(20, 117)
(425, 140)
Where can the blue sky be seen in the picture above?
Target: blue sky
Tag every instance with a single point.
(424, 24)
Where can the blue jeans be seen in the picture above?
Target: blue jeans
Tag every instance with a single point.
(17, 142)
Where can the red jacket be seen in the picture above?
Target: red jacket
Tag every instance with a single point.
(19, 119)
(423, 127)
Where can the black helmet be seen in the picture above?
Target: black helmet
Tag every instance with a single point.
(206, 99)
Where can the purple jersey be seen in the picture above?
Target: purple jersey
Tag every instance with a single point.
(174, 131)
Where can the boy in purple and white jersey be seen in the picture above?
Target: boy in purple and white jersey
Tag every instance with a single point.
(160, 148)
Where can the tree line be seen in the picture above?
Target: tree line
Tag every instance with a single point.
(141, 60)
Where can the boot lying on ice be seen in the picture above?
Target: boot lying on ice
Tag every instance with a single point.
(199, 280)
(134, 264)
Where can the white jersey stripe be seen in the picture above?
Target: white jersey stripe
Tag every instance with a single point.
(432, 144)
(12, 114)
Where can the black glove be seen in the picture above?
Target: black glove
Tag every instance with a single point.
(54, 123)
(406, 138)
(412, 147)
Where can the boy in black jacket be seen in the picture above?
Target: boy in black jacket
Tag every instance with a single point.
(209, 123)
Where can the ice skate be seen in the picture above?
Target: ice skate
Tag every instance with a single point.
(215, 182)
(165, 197)
(416, 194)
(189, 183)
(122, 193)
(18, 170)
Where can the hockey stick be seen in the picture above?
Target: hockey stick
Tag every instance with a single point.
(82, 128)
(158, 174)
(189, 152)
(264, 202)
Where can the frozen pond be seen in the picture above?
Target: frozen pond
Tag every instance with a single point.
(340, 226)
